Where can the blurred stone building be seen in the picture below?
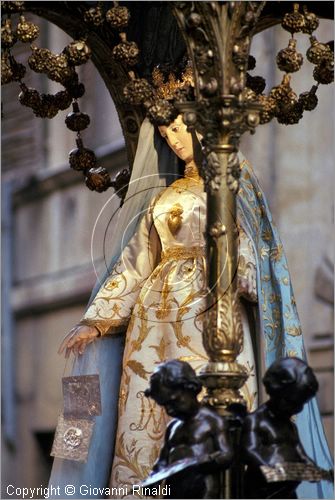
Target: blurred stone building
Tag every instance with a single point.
(48, 216)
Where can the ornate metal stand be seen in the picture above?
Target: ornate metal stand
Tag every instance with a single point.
(218, 36)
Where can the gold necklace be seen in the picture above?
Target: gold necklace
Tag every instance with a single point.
(191, 171)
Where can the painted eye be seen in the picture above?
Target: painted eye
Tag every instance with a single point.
(175, 129)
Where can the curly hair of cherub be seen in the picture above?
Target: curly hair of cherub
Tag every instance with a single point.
(290, 373)
(174, 374)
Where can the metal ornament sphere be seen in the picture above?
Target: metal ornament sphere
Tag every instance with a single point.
(250, 95)
(98, 179)
(78, 52)
(82, 158)
(94, 16)
(40, 59)
(251, 63)
(289, 60)
(324, 72)
(62, 99)
(162, 112)
(318, 51)
(75, 89)
(290, 114)
(138, 91)
(309, 100)
(29, 97)
(293, 22)
(47, 107)
(311, 21)
(268, 111)
(253, 119)
(59, 69)
(27, 32)
(126, 52)
(118, 17)
(283, 92)
(255, 83)
(76, 120)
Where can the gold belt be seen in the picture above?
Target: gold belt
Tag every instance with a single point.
(181, 253)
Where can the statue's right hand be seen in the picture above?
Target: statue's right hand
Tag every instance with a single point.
(77, 339)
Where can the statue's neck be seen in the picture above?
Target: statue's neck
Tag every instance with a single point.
(191, 170)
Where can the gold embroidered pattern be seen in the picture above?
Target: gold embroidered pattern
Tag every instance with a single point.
(138, 368)
(150, 413)
(182, 253)
(144, 328)
(165, 307)
(294, 331)
(128, 458)
(184, 340)
(106, 327)
(187, 184)
(161, 349)
(276, 253)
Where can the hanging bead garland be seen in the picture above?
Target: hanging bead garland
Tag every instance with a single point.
(282, 102)
(126, 52)
(61, 69)
(57, 67)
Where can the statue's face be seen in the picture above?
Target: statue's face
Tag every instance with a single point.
(290, 403)
(179, 140)
(177, 402)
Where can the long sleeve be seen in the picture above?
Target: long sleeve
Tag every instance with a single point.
(111, 309)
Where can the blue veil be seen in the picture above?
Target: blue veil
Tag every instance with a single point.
(279, 328)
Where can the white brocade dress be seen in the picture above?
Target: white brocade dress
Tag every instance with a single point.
(157, 291)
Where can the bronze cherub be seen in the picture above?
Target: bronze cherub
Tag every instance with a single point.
(196, 445)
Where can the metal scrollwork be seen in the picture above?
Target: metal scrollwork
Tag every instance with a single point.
(222, 345)
(233, 172)
(210, 171)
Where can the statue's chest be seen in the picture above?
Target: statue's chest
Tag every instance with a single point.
(180, 215)
(190, 433)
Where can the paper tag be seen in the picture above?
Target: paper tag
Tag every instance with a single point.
(81, 396)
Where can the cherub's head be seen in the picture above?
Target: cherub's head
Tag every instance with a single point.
(290, 383)
(175, 386)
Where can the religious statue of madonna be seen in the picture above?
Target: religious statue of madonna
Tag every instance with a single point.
(150, 309)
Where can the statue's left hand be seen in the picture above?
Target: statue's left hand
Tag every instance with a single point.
(77, 339)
